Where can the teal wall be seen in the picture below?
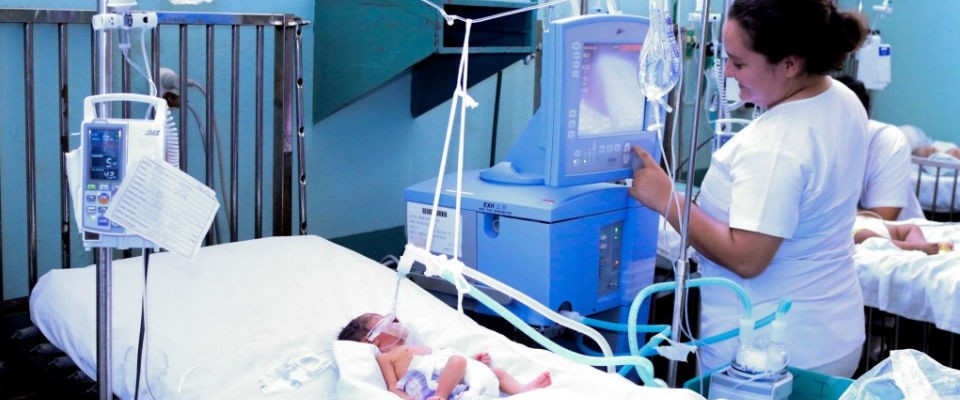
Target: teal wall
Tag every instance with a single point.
(362, 157)
(924, 65)
(359, 160)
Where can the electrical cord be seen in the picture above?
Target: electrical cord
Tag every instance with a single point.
(143, 325)
(219, 157)
(169, 82)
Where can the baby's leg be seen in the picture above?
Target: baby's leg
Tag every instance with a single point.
(510, 385)
(450, 377)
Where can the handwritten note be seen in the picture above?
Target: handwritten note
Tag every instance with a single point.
(166, 206)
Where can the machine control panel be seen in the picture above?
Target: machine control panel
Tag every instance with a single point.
(104, 155)
(610, 246)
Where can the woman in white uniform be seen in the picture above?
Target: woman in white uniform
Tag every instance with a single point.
(777, 205)
(887, 185)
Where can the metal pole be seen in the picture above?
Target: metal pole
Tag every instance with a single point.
(105, 255)
(681, 269)
(258, 132)
(233, 200)
(301, 151)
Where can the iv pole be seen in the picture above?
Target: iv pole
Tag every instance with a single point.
(102, 84)
(682, 267)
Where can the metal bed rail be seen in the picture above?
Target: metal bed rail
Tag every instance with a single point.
(886, 331)
(282, 108)
(933, 211)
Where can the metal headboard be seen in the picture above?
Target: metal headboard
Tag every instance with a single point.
(286, 111)
(935, 212)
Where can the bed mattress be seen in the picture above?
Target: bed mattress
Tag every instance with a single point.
(912, 284)
(220, 326)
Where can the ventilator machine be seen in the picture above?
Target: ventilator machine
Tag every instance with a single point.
(548, 221)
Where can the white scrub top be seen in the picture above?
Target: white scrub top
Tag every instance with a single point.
(795, 172)
(887, 181)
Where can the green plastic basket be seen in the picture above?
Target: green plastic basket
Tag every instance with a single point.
(807, 385)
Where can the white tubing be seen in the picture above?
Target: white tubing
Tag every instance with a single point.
(171, 139)
(436, 264)
(543, 310)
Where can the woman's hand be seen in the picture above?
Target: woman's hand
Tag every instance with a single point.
(651, 185)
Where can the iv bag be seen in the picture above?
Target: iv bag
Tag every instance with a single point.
(660, 56)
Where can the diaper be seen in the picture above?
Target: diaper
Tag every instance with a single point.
(876, 225)
(422, 375)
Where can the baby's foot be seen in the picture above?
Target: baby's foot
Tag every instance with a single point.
(946, 247)
(435, 398)
(541, 381)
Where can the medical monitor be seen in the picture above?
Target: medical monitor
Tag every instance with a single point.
(104, 164)
(592, 110)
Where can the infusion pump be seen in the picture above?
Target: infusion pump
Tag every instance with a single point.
(111, 149)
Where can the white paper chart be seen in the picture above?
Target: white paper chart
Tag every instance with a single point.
(166, 206)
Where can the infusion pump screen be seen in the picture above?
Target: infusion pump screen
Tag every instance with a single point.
(105, 151)
(611, 101)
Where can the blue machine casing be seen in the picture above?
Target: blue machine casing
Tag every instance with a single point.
(586, 248)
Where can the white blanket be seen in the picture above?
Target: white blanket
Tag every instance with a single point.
(237, 313)
(912, 284)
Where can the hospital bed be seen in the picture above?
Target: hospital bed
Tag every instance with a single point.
(911, 298)
(41, 112)
(936, 187)
(224, 323)
(232, 322)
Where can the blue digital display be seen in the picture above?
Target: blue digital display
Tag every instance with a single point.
(105, 153)
(611, 101)
(592, 108)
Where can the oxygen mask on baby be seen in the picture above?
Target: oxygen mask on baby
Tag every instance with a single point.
(391, 330)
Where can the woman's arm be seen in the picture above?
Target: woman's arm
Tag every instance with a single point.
(745, 253)
(886, 213)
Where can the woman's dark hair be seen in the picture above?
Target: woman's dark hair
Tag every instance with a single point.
(858, 89)
(810, 29)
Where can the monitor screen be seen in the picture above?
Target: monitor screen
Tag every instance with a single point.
(595, 110)
(592, 110)
(105, 153)
(610, 98)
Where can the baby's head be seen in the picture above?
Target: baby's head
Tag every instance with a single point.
(383, 331)
(357, 329)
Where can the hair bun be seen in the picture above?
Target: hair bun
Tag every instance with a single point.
(849, 26)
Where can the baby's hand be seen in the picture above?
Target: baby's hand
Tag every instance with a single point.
(483, 357)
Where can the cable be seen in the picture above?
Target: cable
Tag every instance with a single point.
(143, 322)
(219, 157)
(169, 82)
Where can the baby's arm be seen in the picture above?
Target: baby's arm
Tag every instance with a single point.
(390, 375)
